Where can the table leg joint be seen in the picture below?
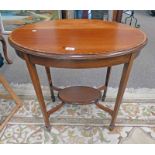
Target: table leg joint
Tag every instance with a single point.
(54, 109)
(105, 108)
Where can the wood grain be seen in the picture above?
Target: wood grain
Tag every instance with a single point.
(79, 95)
(78, 44)
(77, 38)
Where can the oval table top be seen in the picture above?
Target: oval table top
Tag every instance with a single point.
(75, 39)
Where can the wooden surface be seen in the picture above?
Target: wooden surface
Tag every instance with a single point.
(74, 39)
(12, 95)
(78, 44)
(79, 95)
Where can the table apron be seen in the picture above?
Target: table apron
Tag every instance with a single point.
(76, 64)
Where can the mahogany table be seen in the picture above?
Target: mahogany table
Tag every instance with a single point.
(78, 44)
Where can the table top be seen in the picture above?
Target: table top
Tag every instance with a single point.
(77, 39)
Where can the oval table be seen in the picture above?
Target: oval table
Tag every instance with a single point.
(78, 44)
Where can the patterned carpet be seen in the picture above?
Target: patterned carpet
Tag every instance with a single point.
(80, 124)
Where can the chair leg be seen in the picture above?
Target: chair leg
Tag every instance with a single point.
(5, 50)
(106, 83)
(18, 102)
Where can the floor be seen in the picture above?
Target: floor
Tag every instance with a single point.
(35, 134)
(135, 123)
(142, 75)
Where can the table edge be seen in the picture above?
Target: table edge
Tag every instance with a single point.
(77, 56)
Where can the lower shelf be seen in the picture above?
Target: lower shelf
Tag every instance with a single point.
(79, 95)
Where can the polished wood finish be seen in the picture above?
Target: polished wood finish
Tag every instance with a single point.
(36, 83)
(77, 39)
(75, 64)
(78, 44)
(11, 95)
(124, 79)
(79, 95)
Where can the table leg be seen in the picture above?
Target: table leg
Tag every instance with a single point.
(106, 82)
(124, 79)
(36, 83)
(50, 83)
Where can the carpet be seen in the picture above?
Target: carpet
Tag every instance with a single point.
(80, 124)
